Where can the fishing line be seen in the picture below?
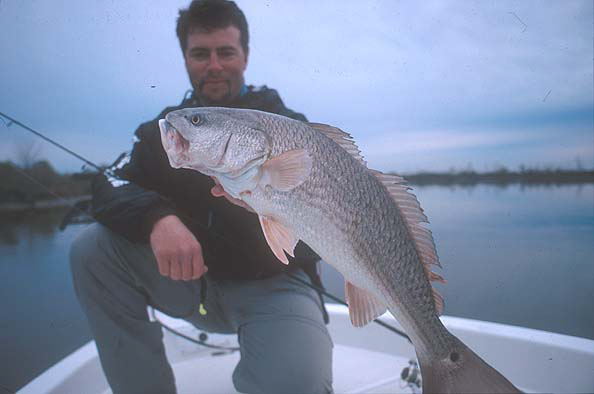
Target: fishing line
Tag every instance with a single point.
(229, 242)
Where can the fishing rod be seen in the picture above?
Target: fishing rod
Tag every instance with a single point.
(101, 170)
(38, 134)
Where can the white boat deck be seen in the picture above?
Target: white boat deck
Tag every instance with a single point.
(204, 370)
(213, 375)
(365, 360)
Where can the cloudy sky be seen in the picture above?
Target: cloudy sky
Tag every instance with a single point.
(430, 85)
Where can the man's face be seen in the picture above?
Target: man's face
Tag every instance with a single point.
(215, 62)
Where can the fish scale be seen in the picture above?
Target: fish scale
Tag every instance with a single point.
(308, 182)
(362, 190)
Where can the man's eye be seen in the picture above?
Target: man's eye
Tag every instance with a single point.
(226, 54)
(200, 55)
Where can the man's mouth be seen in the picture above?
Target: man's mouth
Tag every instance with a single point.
(207, 81)
(214, 83)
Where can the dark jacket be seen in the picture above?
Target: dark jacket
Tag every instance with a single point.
(141, 187)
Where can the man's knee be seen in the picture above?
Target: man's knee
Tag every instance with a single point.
(303, 378)
(294, 358)
(87, 248)
(315, 377)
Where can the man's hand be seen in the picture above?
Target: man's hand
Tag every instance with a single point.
(178, 252)
(218, 191)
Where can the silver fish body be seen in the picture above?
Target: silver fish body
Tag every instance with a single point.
(308, 182)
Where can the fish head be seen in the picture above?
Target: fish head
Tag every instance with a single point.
(214, 140)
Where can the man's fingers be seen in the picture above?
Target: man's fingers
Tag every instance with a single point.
(199, 268)
(163, 265)
(175, 272)
(175, 248)
(186, 267)
(218, 191)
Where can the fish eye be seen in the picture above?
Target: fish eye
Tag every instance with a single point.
(195, 120)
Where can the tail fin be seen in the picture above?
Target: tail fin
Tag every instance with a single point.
(463, 371)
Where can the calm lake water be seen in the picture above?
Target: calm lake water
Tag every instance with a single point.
(521, 256)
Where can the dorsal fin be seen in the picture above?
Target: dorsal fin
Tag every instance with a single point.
(344, 139)
(413, 214)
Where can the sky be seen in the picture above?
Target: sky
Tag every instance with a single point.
(422, 86)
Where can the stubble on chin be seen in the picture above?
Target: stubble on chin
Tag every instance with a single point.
(213, 99)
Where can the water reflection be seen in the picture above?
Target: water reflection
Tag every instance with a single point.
(28, 225)
(43, 322)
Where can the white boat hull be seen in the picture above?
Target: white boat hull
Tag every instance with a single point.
(366, 360)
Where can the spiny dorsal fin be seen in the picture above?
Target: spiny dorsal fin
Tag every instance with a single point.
(345, 140)
(363, 306)
(413, 214)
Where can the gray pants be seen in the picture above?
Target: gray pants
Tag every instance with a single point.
(284, 344)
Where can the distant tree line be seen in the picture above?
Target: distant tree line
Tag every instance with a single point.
(503, 176)
(39, 181)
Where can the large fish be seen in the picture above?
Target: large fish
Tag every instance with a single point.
(307, 181)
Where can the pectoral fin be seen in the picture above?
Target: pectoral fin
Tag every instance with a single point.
(279, 238)
(288, 170)
(363, 306)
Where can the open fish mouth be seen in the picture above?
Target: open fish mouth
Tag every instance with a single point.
(174, 144)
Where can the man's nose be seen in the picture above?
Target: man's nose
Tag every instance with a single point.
(213, 63)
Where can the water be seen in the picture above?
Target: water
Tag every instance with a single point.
(510, 255)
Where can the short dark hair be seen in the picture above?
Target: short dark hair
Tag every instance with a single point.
(209, 15)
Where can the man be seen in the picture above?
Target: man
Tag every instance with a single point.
(164, 238)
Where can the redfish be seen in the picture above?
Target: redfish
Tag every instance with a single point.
(308, 181)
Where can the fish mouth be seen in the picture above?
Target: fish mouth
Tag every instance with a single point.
(174, 144)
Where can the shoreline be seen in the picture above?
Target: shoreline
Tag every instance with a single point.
(502, 178)
(40, 205)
